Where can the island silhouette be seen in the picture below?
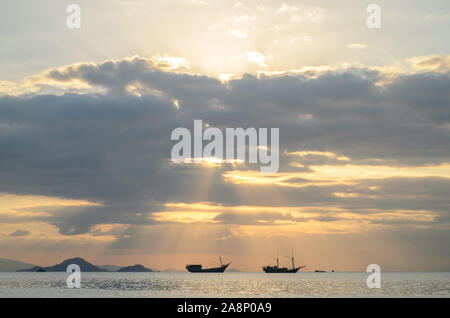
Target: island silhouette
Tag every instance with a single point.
(85, 266)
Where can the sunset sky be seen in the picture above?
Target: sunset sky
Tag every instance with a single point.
(86, 117)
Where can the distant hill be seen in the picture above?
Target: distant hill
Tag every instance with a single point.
(110, 268)
(234, 270)
(62, 267)
(9, 265)
(134, 268)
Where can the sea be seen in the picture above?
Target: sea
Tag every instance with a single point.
(228, 284)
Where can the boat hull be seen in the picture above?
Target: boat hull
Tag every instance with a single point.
(199, 269)
(270, 269)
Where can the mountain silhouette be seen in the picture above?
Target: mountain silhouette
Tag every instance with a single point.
(62, 267)
(9, 265)
(135, 268)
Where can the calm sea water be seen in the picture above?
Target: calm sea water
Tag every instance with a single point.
(224, 285)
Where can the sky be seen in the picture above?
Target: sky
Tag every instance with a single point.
(86, 117)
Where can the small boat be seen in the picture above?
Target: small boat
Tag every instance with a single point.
(197, 268)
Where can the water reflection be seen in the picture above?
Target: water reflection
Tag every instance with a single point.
(224, 285)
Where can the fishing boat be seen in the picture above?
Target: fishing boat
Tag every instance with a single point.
(278, 269)
(197, 268)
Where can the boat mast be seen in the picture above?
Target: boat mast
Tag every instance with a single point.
(220, 259)
(293, 265)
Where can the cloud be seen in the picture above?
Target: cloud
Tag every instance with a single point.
(379, 148)
(256, 57)
(436, 63)
(19, 232)
(357, 46)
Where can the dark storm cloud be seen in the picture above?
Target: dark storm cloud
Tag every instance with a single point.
(350, 113)
(114, 149)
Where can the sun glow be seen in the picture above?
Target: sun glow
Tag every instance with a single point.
(335, 174)
(308, 219)
(171, 62)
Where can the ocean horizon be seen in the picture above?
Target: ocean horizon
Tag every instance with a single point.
(225, 285)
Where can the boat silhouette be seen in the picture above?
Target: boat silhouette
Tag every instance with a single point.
(197, 268)
(278, 269)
